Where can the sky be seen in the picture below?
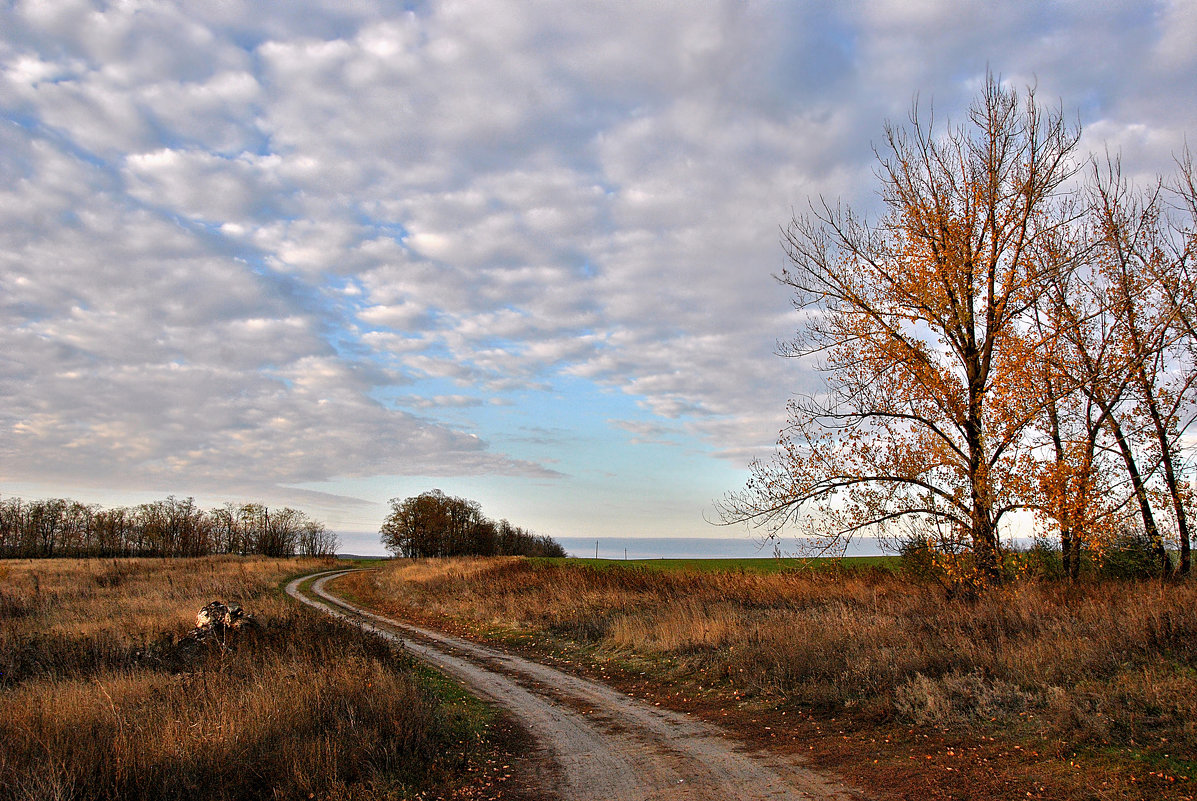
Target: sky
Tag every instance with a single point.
(323, 254)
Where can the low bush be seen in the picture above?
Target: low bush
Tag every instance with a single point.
(957, 699)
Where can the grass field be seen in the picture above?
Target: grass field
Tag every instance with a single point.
(1035, 689)
(104, 695)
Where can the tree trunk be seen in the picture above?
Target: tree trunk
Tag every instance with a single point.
(1064, 518)
(982, 530)
(1132, 469)
(1170, 478)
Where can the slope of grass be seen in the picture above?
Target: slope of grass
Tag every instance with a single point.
(103, 695)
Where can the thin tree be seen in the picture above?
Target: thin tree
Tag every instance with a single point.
(1146, 255)
(1086, 380)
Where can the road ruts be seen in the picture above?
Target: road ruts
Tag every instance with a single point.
(607, 746)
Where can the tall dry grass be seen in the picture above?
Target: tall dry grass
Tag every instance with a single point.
(104, 696)
(1112, 662)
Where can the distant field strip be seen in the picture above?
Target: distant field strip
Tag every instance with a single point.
(757, 564)
(605, 744)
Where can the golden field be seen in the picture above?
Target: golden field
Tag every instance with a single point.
(105, 696)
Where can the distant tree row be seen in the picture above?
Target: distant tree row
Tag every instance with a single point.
(170, 527)
(436, 524)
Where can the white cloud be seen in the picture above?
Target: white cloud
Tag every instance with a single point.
(228, 230)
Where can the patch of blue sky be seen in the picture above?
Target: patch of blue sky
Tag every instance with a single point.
(575, 430)
(419, 397)
(614, 481)
(36, 128)
(383, 227)
(632, 497)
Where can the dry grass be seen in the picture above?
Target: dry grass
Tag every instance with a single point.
(1103, 666)
(104, 696)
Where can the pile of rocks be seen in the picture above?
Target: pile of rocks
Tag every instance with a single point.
(219, 628)
(217, 619)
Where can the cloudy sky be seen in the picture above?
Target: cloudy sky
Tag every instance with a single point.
(327, 253)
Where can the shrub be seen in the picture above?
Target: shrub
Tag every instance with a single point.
(958, 698)
(1129, 557)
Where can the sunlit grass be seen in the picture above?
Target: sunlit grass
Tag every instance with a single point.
(1107, 664)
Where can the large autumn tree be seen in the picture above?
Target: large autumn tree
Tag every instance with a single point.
(922, 324)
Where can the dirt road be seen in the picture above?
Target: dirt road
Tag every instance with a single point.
(606, 746)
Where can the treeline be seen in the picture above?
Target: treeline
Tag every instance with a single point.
(436, 524)
(170, 527)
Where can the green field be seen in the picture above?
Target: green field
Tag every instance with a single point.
(743, 565)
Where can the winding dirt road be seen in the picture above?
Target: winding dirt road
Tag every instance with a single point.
(606, 746)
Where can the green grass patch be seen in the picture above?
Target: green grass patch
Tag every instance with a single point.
(315, 571)
(738, 565)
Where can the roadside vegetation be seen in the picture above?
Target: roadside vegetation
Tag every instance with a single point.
(106, 694)
(1083, 689)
